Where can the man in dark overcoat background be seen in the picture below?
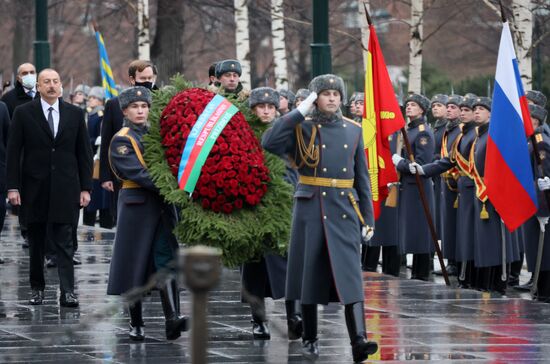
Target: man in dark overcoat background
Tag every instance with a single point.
(50, 175)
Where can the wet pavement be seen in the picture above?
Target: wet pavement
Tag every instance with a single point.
(411, 320)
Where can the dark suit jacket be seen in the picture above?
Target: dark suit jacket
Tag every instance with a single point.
(112, 123)
(52, 172)
(4, 125)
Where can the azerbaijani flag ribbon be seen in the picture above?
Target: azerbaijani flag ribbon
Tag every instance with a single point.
(508, 173)
(201, 139)
(381, 118)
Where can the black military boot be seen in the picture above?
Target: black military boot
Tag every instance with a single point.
(175, 324)
(310, 346)
(355, 321)
(136, 332)
(294, 319)
(369, 257)
(260, 329)
(526, 286)
(543, 287)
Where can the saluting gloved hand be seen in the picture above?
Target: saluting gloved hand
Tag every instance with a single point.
(396, 158)
(366, 233)
(543, 220)
(544, 183)
(415, 168)
(307, 105)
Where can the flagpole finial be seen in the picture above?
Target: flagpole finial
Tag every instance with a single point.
(502, 14)
(369, 20)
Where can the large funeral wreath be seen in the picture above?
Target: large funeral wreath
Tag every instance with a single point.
(241, 204)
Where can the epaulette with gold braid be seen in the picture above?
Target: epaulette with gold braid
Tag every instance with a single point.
(421, 127)
(351, 121)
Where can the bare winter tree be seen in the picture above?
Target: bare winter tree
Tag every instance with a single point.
(279, 47)
(242, 40)
(415, 46)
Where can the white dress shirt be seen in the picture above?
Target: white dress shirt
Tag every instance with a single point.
(55, 114)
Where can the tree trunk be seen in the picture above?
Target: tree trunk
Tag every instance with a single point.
(365, 32)
(415, 47)
(523, 38)
(167, 48)
(23, 33)
(144, 43)
(242, 41)
(279, 49)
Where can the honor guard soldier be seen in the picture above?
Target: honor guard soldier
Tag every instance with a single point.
(301, 95)
(457, 160)
(439, 112)
(414, 232)
(359, 106)
(80, 95)
(535, 228)
(449, 179)
(489, 238)
(267, 276)
(332, 211)
(386, 236)
(536, 97)
(286, 101)
(144, 242)
(228, 74)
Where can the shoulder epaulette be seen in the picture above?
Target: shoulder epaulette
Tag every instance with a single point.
(123, 131)
(538, 138)
(421, 127)
(351, 121)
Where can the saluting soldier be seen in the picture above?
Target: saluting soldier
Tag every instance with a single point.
(267, 276)
(144, 242)
(439, 112)
(488, 236)
(533, 227)
(332, 211)
(414, 232)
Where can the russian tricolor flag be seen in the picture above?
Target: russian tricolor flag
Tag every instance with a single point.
(508, 172)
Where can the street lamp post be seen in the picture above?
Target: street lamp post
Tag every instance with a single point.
(320, 48)
(41, 44)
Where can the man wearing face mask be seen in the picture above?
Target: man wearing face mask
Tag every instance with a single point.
(141, 73)
(24, 90)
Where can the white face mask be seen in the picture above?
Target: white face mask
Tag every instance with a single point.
(28, 81)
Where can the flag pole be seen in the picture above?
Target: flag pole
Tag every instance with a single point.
(421, 191)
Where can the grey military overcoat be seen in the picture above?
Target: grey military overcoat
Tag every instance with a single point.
(487, 232)
(531, 229)
(143, 218)
(324, 254)
(414, 233)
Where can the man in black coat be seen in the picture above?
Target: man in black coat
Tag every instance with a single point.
(24, 90)
(4, 125)
(50, 175)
